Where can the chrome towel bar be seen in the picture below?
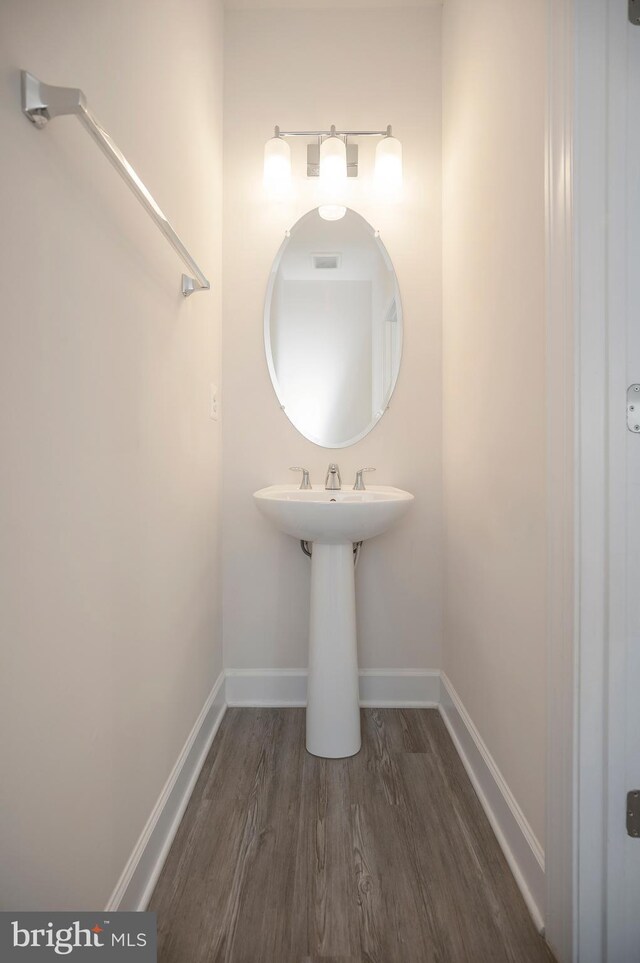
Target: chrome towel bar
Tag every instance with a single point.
(41, 102)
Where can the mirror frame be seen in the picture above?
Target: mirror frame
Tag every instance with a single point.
(275, 267)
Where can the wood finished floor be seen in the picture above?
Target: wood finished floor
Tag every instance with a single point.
(386, 857)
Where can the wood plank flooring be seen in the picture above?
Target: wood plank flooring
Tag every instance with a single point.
(386, 857)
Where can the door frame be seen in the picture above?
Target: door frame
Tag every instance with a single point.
(586, 402)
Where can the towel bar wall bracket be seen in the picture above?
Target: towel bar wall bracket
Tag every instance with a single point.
(42, 102)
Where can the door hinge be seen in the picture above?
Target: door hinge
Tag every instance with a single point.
(633, 812)
(634, 11)
(633, 405)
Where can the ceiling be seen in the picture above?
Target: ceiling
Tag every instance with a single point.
(327, 4)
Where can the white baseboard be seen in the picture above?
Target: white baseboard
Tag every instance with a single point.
(399, 688)
(388, 688)
(266, 687)
(514, 834)
(135, 886)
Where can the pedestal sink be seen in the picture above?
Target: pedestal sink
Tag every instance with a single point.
(332, 521)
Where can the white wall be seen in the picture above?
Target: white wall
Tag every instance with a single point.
(305, 70)
(109, 521)
(494, 381)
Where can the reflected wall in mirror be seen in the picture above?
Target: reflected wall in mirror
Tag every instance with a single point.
(333, 328)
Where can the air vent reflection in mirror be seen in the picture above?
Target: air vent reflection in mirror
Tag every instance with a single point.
(326, 262)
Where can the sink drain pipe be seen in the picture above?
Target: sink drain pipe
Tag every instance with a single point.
(308, 551)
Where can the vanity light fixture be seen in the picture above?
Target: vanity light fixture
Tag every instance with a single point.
(333, 162)
(277, 166)
(333, 176)
(332, 159)
(388, 169)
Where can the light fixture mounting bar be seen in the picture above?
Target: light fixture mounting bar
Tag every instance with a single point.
(339, 133)
(313, 160)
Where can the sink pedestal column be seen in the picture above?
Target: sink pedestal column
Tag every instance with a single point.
(333, 707)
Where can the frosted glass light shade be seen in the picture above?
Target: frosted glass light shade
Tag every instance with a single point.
(333, 167)
(388, 169)
(277, 167)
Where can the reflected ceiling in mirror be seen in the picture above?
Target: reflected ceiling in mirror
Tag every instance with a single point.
(333, 328)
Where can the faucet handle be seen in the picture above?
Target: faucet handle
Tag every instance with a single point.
(333, 481)
(305, 483)
(359, 484)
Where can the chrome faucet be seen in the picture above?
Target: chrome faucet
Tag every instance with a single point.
(305, 484)
(359, 484)
(333, 482)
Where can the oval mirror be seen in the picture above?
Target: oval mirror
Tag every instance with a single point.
(333, 328)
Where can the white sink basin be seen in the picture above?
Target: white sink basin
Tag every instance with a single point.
(332, 522)
(329, 517)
